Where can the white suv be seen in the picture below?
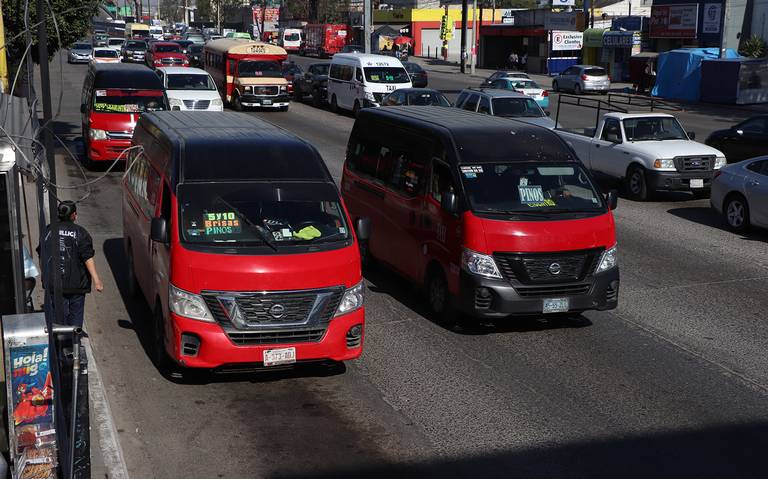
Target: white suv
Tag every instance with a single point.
(190, 89)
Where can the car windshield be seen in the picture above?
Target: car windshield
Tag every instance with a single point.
(128, 101)
(520, 188)
(516, 108)
(81, 46)
(195, 49)
(256, 213)
(292, 37)
(168, 48)
(523, 85)
(190, 81)
(133, 45)
(653, 129)
(258, 69)
(595, 72)
(386, 75)
(116, 41)
(105, 53)
(426, 98)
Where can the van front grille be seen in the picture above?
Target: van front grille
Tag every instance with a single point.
(197, 104)
(251, 338)
(556, 267)
(552, 291)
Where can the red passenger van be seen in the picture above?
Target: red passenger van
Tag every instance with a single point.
(114, 96)
(494, 217)
(237, 237)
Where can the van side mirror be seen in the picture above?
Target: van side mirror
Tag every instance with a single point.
(450, 202)
(612, 198)
(692, 135)
(158, 230)
(363, 229)
(82, 108)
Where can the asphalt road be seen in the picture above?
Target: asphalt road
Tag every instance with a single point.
(674, 383)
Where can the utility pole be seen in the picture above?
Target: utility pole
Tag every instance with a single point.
(475, 31)
(723, 23)
(367, 25)
(3, 62)
(463, 59)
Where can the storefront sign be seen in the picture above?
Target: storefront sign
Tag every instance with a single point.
(618, 39)
(674, 21)
(563, 41)
(593, 37)
(563, 21)
(711, 21)
(563, 3)
(630, 24)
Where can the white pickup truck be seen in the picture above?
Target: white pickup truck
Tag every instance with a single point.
(647, 152)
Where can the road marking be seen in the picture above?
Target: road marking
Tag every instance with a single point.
(105, 425)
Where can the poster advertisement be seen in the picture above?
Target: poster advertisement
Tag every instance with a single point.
(711, 21)
(563, 41)
(674, 21)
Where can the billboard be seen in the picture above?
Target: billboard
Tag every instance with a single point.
(711, 21)
(563, 41)
(674, 21)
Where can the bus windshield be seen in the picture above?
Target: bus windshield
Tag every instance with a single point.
(251, 68)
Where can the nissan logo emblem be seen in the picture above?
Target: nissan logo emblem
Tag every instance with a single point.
(554, 268)
(278, 310)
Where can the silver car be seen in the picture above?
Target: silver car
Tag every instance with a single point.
(583, 78)
(506, 104)
(80, 52)
(740, 194)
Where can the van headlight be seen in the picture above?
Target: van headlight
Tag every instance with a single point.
(479, 264)
(96, 134)
(352, 299)
(369, 96)
(217, 102)
(720, 162)
(175, 102)
(609, 259)
(189, 305)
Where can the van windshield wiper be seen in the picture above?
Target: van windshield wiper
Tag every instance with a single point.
(531, 214)
(259, 229)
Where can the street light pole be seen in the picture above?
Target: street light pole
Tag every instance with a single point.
(474, 36)
(463, 58)
(367, 25)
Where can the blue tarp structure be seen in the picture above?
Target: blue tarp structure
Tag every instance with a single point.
(678, 72)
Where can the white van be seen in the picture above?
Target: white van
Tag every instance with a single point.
(356, 81)
(291, 39)
(156, 32)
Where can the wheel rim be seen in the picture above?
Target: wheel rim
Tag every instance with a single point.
(436, 295)
(636, 183)
(735, 213)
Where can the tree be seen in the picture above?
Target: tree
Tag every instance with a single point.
(170, 10)
(204, 11)
(72, 16)
(753, 47)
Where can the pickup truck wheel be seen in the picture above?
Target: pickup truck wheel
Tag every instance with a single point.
(334, 104)
(237, 104)
(637, 188)
(577, 89)
(555, 88)
(317, 101)
(297, 94)
(736, 213)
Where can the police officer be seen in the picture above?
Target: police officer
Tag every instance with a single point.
(77, 267)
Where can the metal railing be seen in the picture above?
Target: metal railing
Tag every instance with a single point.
(587, 102)
(641, 102)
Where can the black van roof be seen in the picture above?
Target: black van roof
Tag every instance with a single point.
(477, 137)
(229, 146)
(128, 76)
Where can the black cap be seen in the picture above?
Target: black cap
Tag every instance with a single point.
(66, 208)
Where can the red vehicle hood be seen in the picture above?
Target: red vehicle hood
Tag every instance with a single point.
(486, 235)
(195, 271)
(123, 122)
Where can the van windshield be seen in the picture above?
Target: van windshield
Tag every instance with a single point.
(291, 37)
(386, 75)
(123, 101)
(261, 214)
(250, 68)
(530, 188)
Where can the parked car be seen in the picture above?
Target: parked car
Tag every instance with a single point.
(740, 194)
(185, 44)
(747, 139)
(357, 81)
(418, 75)
(415, 97)
(105, 55)
(582, 79)
(490, 216)
(99, 40)
(195, 55)
(525, 86)
(165, 54)
(291, 71)
(248, 261)
(113, 98)
(115, 43)
(134, 51)
(647, 152)
(190, 89)
(503, 74)
(506, 104)
(313, 82)
(80, 52)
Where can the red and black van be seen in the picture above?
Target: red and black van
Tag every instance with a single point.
(493, 216)
(247, 261)
(114, 96)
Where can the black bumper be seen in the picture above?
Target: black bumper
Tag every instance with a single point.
(264, 100)
(494, 298)
(677, 180)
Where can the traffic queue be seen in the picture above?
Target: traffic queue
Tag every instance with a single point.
(249, 255)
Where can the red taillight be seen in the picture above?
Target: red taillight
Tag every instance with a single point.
(584, 77)
(545, 93)
(609, 77)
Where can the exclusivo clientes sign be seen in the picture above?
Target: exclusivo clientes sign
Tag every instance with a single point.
(566, 40)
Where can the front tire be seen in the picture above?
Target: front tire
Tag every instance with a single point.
(736, 213)
(439, 298)
(636, 185)
(237, 105)
(162, 360)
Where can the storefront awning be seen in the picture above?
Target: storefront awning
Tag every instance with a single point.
(593, 37)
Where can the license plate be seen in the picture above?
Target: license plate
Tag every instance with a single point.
(273, 357)
(699, 183)
(555, 305)
(267, 102)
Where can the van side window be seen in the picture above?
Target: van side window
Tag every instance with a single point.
(441, 181)
(485, 106)
(359, 75)
(471, 103)
(335, 71)
(347, 72)
(401, 170)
